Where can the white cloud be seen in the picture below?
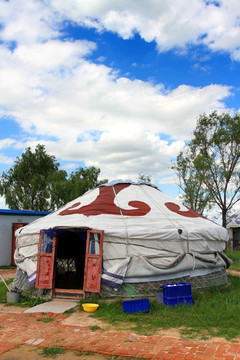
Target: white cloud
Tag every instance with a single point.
(71, 96)
(2, 203)
(7, 142)
(170, 23)
(53, 54)
(95, 115)
(27, 22)
(52, 90)
(5, 159)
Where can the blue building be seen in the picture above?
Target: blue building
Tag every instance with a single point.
(10, 221)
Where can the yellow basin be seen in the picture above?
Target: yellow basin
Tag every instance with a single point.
(90, 307)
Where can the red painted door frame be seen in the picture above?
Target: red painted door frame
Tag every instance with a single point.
(93, 261)
(45, 262)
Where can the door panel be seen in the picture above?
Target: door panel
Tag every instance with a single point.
(93, 261)
(45, 264)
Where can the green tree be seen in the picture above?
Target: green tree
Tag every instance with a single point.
(27, 185)
(213, 159)
(82, 180)
(144, 177)
(36, 183)
(59, 189)
(195, 194)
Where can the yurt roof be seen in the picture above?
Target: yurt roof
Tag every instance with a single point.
(133, 210)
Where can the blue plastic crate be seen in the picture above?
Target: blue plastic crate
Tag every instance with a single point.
(136, 305)
(177, 290)
(172, 301)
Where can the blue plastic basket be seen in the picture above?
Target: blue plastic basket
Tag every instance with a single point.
(177, 290)
(172, 301)
(136, 305)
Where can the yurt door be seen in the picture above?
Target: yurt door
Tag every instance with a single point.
(45, 264)
(93, 261)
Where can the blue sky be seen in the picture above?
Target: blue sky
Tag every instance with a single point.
(114, 84)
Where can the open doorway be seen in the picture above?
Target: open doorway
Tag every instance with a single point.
(70, 259)
(236, 238)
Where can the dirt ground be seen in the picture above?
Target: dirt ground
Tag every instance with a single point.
(7, 274)
(34, 353)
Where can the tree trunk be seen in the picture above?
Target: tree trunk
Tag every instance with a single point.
(224, 217)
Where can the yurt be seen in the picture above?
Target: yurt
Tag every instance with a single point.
(121, 239)
(233, 226)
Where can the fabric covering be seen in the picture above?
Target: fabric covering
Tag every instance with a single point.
(234, 221)
(147, 234)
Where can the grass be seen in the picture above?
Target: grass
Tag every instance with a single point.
(69, 311)
(53, 351)
(46, 319)
(88, 352)
(95, 327)
(215, 312)
(7, 267)
(26, 300)
(3, 290)
(235, 256)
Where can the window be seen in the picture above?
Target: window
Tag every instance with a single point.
(94, 243)
(47, 243)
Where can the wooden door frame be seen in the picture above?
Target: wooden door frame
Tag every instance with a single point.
(48, 259)
(97, 258)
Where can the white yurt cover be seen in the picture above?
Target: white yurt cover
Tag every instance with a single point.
(234, 221)
(148, 236)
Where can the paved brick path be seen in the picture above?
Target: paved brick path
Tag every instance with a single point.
(19, 329)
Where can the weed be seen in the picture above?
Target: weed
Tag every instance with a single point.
(69, 311)
(88, 352)
(95, 327)
(235, 257)
(27, 300)
(58, 340)
(46, 319)
(53, 351)
(3, 291)
(78, 353)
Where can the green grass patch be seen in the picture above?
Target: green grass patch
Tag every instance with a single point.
(69, 311)
(53, 351)
(28, 300)
(94, 327)
(3, 290)
(215, 312)
(7, 267)
(235, 257)
(88, 352)
(46, 319)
